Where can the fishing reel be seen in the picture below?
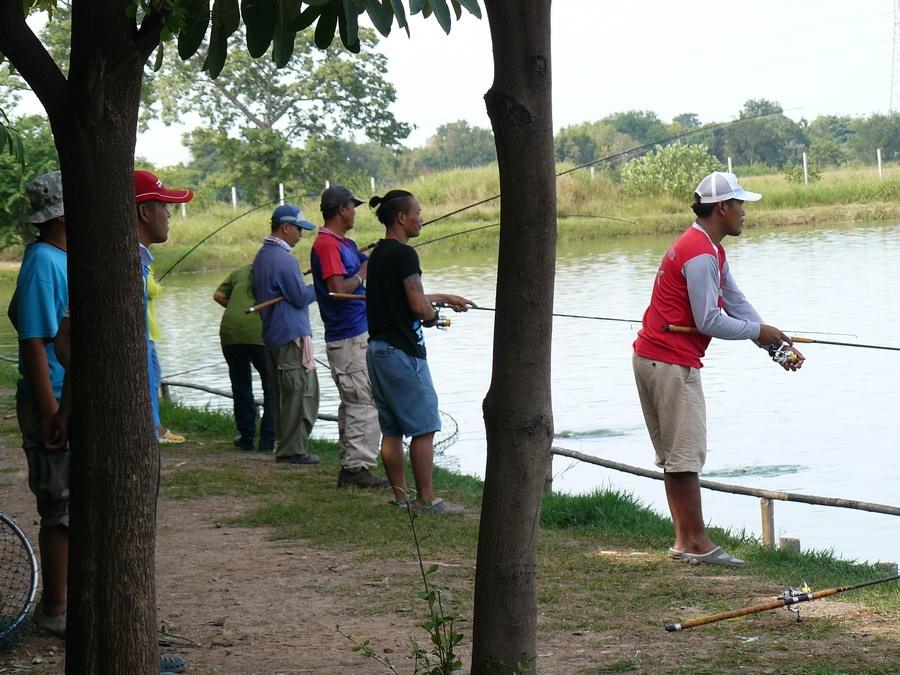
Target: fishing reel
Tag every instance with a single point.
(439, 322)
(782, 354)
(790, 596)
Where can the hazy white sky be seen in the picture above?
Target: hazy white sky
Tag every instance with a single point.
(813, 56)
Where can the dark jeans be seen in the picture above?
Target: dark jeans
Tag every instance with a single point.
(239, 359)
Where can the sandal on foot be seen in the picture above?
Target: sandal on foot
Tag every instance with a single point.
(715, 557)
(675, 553)
(437, 506)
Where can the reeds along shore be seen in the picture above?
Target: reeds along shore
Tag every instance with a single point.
(588, 208)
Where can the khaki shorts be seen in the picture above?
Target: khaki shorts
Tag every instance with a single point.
(675, 413)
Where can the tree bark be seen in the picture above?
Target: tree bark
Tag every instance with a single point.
(517, 409)
(111, 625)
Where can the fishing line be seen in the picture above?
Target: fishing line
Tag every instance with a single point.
(194, 370)
(623, 153)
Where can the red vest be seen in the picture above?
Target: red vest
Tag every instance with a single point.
(670, 305)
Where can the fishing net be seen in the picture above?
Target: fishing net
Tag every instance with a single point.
(18, 583)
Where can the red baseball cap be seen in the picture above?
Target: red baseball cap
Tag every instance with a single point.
(147, 187)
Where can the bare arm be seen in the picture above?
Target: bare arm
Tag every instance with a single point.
(419, 303)
(344, 284)
(221, 298)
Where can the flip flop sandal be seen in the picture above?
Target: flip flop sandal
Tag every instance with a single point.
(675, 553)
(715, 557)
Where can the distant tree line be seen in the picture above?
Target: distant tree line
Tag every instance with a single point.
(326, 117)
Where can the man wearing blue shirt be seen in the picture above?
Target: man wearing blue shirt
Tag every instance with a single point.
(36, 310)
(287, 334)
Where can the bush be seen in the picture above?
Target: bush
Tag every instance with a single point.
(673, 170)
(794, 174)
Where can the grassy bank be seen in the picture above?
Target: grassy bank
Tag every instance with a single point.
(588, 209)
(605, 586)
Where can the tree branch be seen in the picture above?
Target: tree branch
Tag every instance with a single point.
(23, 49)
(220, 86)
(146, 39)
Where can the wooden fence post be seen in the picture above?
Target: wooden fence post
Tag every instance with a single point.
(767, 510)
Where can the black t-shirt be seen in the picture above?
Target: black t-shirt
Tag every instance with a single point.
(387, 310)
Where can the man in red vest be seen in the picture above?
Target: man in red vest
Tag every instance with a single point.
(694, 290)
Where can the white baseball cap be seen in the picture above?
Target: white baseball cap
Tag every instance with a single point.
(720, 186)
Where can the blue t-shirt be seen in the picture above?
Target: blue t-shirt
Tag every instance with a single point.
(333, 255)
(38, 305)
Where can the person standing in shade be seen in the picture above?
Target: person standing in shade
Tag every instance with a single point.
(339, 267)
(397, 309)
(242, 346)
(36, 312)
(153, 199)
(287, 334)
(694, 288)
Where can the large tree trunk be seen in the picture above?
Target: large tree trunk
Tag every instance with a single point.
(517, 410)
(112, 605)
(115, 471)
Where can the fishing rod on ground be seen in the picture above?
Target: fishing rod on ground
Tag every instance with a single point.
(790, 597)
(608, 158)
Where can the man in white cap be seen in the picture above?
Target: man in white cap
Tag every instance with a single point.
(694, 290)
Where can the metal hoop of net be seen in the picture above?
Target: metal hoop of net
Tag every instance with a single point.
(18, 583)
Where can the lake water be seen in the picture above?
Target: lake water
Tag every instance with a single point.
(829, 430)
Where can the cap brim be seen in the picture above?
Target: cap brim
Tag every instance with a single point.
(306, 225)
(169, 196)
(358, 201)
(747, 196)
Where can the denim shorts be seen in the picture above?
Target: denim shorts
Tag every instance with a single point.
(403, 392)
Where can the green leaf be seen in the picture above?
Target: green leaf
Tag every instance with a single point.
(416, 6)
(227, 15)
(325, 27)
(380, 16)
(157, 64)
(285, 34)
(349, 26)
(456, 9)
(319, 3)
(472, 6)
(260, 17)
(431, 570)
(225, 20)
(306, 18)
(191, 35)
(400, 13)
(441, 13)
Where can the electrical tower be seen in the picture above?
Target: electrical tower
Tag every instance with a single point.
(895, 62)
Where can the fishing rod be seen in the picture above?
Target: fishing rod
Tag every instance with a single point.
(669, 328)
(214, 232)
(608, 158)
(789, 597)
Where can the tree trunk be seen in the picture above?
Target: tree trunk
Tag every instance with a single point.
(112, 604)
(517, 409)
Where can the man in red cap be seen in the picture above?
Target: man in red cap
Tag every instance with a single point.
(153, 199)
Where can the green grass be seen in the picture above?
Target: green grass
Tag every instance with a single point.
(588, 209)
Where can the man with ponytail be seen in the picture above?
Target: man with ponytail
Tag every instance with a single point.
(397, 310)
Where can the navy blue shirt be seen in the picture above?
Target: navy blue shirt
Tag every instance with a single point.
(277, 272)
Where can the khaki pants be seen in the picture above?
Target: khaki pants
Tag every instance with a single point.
(675, 413)
(358, 429)
(296, 395)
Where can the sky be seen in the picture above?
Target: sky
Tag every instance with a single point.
(813, 57)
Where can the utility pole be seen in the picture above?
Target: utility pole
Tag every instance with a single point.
(895, 61)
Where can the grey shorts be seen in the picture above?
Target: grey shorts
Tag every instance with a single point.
(675, 413)
(403, 391)
(48, 470)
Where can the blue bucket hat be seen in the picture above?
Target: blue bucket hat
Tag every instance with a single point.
(288, 213)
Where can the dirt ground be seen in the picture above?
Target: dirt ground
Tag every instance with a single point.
(251, 605)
